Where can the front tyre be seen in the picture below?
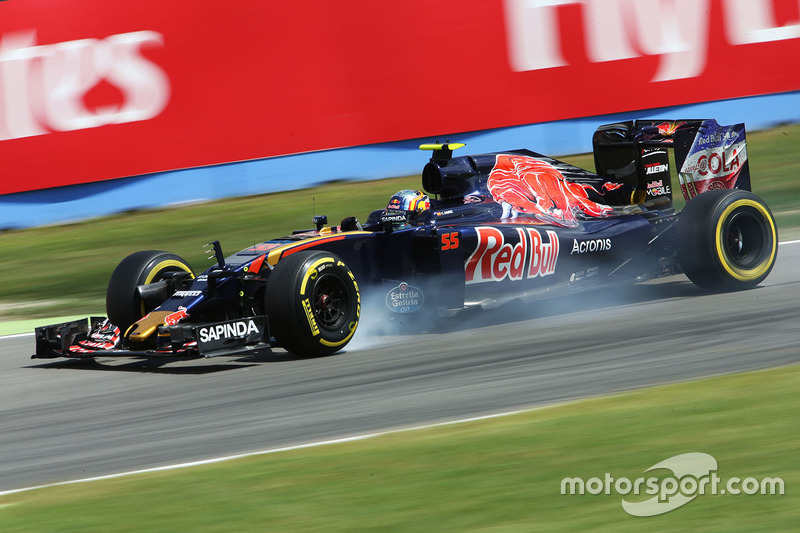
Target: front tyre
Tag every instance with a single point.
(123, 303)
(313, 303)
(727, 240)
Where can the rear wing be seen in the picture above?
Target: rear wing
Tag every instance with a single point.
(707, 156)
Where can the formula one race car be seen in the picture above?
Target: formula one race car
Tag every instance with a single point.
(495, 228)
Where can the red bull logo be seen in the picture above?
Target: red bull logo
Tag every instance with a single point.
(176, 317)
(494, 259)
(535, 187)
(668, 129)
(657, 188)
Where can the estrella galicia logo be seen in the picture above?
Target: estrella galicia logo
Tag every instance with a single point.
(404, 298)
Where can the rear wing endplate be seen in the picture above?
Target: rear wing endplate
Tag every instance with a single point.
(707, 155)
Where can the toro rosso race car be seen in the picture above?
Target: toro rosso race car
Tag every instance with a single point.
(488, 229)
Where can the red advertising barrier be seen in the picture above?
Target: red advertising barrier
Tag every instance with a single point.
(93, 90)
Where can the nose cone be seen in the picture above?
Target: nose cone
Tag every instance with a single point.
(146, 326)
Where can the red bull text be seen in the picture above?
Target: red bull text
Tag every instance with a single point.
(494, 259)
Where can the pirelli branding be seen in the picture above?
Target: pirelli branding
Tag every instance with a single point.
(312, 322)
(534, 254)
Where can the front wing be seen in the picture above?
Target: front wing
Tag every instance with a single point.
(96, 337)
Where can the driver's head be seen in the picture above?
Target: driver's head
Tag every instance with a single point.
(410, 202)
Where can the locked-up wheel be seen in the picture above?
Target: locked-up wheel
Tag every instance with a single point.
(313, 303)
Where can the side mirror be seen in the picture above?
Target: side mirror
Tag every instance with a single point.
(320, 220)
(350, 224)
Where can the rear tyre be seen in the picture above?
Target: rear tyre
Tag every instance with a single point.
(123, 304)
(313, 303)
(727, 240)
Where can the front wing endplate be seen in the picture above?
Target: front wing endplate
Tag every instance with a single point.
(95, 337)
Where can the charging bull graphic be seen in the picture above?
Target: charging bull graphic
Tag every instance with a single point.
(535, 187)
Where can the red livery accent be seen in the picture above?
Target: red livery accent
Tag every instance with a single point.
(97, 345)
(255, 266)
(78, 349)
(717, 163)
(450, 241)
(610, 186)
(314, 242)
(495, 260)
(535, 187)
(176, 317)
(543, 255)
(668, 129)
(718, 167)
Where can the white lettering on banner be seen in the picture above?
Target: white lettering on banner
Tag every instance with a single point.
(753, 21)
(614, 29)
(42, 87)
(678, 31)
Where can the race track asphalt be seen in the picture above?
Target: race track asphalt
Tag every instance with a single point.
(63, 420)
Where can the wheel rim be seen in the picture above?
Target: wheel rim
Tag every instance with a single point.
(157, 274)
(745, 240)
(331, 302)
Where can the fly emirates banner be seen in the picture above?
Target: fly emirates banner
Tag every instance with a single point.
(93, 90)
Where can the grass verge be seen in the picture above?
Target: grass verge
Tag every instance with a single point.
(64, 270)
(502, 474)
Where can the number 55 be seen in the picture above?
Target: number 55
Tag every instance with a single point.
(450, 241)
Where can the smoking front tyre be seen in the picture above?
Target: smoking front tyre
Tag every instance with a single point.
(313, 303)
(727, 240)
(488, 229)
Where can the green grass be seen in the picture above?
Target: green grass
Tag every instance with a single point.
(65, 269)
(62, 270)
(502, 474)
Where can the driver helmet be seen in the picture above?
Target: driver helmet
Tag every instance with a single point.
(409, 202)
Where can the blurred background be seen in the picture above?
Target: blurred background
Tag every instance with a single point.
(107, 107)
(129, 126)
(168, 125)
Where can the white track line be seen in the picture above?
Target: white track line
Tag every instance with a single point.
(17, 335)
(288, 448)
(354, 438)
(283, 449)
